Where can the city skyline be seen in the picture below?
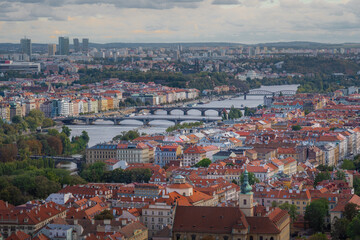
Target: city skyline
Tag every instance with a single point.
(249, 22)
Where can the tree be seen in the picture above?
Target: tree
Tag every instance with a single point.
(339, 229)
(34, 146)
(38, 115)
(203, 163)
(318, 236)
(48, 122)
(234, 113)
(353, 229)
(127, 136)
(8, 152)
(55, 144)
(340, 175)
(94, 172)
(296, 127)
(348, 165)
(292, 210)
(252, 178)
(66, 130)
(315, 214)
(350, 211)
(12, 195)
(16, 119)
(106, 214)
(321, 177)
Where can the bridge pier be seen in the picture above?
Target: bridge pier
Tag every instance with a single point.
(203, 113)
(244, 96)
(116, 122)
(168, 112)
(146, 122)
(220, 113)
(185, 112)
(152, 112)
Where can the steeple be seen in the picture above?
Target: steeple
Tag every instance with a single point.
(245, 186)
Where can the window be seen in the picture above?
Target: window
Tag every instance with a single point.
(193, 237)
(261, 237)
(251, 238)
(244, 201)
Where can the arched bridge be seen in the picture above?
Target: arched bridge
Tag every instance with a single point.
(144, 119)
(59, 159)
(185, 110)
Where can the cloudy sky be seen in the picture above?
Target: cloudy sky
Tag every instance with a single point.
(243, 21)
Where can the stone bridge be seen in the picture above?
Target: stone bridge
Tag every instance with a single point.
(59, 159)
(144, 119)
(185, 110)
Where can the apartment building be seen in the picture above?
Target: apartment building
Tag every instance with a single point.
(128, 152)
(157, 216)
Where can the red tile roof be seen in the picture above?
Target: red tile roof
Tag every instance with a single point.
(209, 219)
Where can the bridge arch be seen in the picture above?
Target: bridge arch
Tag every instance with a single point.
(127, 121)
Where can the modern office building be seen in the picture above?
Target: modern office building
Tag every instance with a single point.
(85, 44)
(51, 49)
(24, 67)
(63, 46)
(26, 47)
(76, 45)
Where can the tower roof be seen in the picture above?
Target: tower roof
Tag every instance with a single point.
(245, 186)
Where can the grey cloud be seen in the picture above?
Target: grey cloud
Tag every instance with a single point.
(151, 4)
(27, 9)
(226, 2)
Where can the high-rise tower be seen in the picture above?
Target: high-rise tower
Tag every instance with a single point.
(26, 47)
(63, 46)
(85, 44)
(76, 45)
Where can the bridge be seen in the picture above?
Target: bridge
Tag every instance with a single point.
(185, 110)
(144, 119)
(59, 159)
(258, 92)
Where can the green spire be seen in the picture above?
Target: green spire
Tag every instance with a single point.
(245, 186)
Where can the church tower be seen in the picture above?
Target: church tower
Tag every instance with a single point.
(246, 197)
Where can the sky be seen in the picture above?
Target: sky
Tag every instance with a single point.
(238, 21)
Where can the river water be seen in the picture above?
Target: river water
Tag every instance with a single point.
(103, 131)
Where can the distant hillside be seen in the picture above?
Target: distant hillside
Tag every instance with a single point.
(39, 47)
(308, 45)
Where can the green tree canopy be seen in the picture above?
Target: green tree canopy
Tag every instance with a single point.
(292, 210)
(203, 163)
(296, 127)
(348, 165)
(350, 211)
(127, 136)
(315, 214)
(106, 214)
(339, 229)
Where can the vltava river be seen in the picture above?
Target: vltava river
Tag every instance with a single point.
(104, 131)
